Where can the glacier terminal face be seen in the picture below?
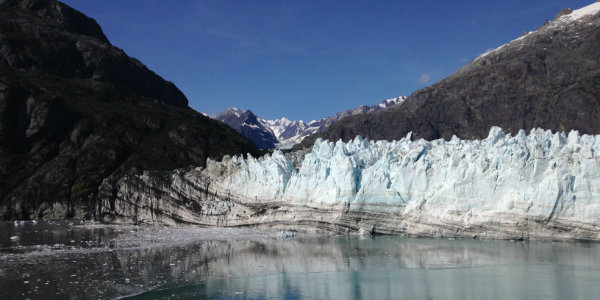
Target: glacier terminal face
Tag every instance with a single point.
(539, 186)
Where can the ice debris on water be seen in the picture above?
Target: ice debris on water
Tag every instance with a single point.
(286, 235)
(15, 238)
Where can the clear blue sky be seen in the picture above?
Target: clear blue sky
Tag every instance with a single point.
(310, 59)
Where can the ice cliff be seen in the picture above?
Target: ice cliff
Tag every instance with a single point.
(541, 185)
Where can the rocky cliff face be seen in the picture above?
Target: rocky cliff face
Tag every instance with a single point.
(549, 78)
(542, 185)
(74, 110)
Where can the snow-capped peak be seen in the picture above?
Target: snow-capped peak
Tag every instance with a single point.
(285, 132)
(392, 101)
(290, 133)
(297, 123)
(582, 12)
(283, 121)
(234, 110)
(558, 22)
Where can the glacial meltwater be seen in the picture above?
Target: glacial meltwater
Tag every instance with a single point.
(62, 260)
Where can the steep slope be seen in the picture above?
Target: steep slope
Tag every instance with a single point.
(549, 78)
(250, 126)
(75, 111)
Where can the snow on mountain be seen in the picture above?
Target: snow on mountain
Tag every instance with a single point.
(250, 126)
(582, 12)
(283, 133)
(290, 133)
(278, 126)
(562, 19)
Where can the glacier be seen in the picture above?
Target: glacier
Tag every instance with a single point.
(542, 185)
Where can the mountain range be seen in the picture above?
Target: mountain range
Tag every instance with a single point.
(283, 133)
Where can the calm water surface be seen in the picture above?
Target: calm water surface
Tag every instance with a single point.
(71, 261)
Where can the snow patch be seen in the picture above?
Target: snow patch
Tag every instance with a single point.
(251, 125)
(502, 46)
(560, 22)
(582, 12)
(236, 111)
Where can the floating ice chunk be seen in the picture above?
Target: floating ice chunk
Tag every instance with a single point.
(286, 235)
(365, 231)
(15, 238)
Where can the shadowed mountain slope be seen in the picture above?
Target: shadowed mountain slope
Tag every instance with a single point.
(75, 110)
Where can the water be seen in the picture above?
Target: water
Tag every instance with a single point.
(71, 261)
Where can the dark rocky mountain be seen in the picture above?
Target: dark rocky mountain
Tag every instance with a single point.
(250, 126)
(549, 78)
(76, 111)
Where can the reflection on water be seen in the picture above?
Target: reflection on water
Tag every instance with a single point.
(59, 261)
